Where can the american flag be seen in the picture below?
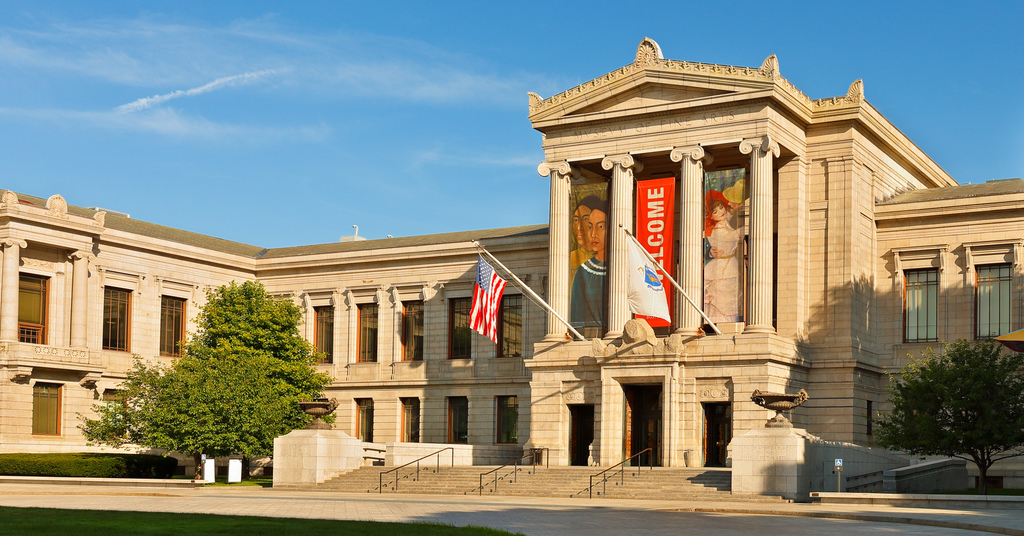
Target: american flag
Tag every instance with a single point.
(486, 299)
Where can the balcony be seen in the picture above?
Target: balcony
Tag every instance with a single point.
(27, 354)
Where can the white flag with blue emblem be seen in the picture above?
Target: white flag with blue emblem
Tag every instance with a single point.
(646, 292)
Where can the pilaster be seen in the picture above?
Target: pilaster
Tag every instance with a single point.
(79, 298)
(9, 291)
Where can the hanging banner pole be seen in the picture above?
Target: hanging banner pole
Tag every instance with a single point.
(673, 281)
(537, 299)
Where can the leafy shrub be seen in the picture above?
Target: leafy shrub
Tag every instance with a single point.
(95, 465)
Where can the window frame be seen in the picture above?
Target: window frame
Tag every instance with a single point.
(915, 287)
(1006, 309)
(364, 419)
(31, 332)
(57, 408)
(368, 336)
(501, 407)
(459, 309)
(323, 333)
(110, 324)
(516, 332)
(411, 415)
(458, 420)
(412, 321)
(174, 349)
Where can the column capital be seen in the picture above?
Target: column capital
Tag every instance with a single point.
(625, 161)
(545, 169)
(9, 242)
(80, 255)
(693, 152)
(764, 143)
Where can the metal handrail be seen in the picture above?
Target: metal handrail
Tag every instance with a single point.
(380, 479)
(515, 472)
(622, 471)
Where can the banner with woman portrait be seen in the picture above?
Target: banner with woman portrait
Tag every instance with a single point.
(724, 195)
(588, 269)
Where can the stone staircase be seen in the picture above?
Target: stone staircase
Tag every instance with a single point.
(656, 483)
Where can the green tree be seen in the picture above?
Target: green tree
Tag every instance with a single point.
(234, 390)
(967, 403)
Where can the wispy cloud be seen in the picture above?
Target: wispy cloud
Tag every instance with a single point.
(227, 81)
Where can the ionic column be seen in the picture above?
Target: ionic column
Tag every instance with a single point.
(79, 298)
(621, 205)
(9, 291)
(558, 246)
(691, 246)
(759, 281)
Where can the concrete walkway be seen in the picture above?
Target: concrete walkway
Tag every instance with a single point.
(531, 516)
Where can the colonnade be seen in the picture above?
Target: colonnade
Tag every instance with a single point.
(624, 167)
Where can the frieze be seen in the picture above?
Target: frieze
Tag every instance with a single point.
(46, 265)
(626, 128)
(68, 355)
(714, 393)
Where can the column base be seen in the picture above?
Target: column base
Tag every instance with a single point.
(612, 335)
(688, 332)
(758, 329)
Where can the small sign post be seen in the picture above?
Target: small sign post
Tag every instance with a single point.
(839, 474)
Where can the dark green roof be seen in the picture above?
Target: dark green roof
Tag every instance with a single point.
(407, 241)
(993, 187)
(152, 230)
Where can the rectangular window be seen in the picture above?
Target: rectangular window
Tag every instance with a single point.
(411, 420)
(116, 311)
(460, 341)
(172, 325)
(871, 418)
(368, 333)
(364, 419)
(508, 419)
(46, 408)
(323, 338)
(458, 419)
(992, 315)
(510, 329)
(412, 331)
(32, 309)
(921, 305)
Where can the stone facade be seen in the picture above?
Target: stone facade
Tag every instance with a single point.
(842, 211)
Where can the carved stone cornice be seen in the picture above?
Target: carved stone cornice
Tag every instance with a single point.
(854, 96)
(626, 161)
(695, 153)
(562, 168)
(649, 57)
(764, 144)
(10, 200)
(57, 207)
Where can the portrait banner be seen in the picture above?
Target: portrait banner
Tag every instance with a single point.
(588, 269)
(724, 194)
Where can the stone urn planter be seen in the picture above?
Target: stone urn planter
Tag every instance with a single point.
(318, 408)
(779, 402)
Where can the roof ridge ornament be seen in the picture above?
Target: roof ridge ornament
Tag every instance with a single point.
(10, 200)
(57, 207)
(648, 53)
(770, 67)
(856, 91)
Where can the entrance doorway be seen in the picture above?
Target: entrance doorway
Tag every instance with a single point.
(581, 433)
(642, 424)
(717, 433)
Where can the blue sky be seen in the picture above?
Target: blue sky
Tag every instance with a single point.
(285, 123)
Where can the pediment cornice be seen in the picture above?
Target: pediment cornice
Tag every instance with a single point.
(651, 66)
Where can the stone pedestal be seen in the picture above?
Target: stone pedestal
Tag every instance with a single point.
(773, 461)
(307, 457)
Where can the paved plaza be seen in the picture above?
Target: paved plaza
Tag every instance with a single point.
(531, 516)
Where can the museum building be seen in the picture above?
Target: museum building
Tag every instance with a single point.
(820, 245)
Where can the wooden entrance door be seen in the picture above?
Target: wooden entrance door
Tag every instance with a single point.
(717, 433)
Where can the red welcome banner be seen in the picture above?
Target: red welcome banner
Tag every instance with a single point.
(655, 224)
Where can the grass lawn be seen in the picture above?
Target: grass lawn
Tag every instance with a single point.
(43, 521)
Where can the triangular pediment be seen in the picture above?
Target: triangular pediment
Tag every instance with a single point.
(648, 95)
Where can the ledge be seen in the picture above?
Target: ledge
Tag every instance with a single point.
(924, 500)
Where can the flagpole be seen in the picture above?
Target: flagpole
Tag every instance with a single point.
(537, 299)
(673, 281)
